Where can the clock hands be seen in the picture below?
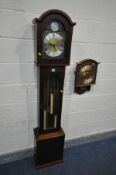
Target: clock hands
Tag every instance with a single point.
(54, 46)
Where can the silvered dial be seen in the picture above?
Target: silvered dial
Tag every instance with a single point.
(53, 44)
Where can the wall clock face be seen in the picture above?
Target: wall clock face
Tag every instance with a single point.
(53, 43)
(86, 72)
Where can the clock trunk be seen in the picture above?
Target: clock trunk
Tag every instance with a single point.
(51, 93)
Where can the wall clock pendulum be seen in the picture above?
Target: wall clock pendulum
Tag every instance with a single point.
(53, 31)
(85, 75)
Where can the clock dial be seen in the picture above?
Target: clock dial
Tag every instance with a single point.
(53, 44)
(86, 74)
(88, 81)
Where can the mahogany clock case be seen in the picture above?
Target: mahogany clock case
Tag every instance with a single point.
(53, 36)
(41, 25)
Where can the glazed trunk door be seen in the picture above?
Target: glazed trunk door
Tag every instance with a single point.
(51, 91)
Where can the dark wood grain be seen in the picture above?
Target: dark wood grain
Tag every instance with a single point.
(49, 137)
(41, 25)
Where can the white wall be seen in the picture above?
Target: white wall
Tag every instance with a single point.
(94, 37)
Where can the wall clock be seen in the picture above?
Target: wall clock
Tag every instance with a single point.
(85, 75)
(53, 36)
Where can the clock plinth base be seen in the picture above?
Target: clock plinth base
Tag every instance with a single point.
(49, 148)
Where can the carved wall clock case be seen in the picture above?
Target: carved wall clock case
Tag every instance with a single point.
(85, 75)
(53, 37)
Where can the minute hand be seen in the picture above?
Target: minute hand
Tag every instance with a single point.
(55, 48)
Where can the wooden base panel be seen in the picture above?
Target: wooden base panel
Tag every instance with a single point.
(49, 164)
(49, 148)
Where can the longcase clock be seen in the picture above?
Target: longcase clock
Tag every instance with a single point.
(53, 31)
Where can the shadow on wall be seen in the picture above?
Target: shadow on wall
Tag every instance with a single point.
(27, 71)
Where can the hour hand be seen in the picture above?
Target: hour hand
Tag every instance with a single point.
(55, 48)
(53, 45)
